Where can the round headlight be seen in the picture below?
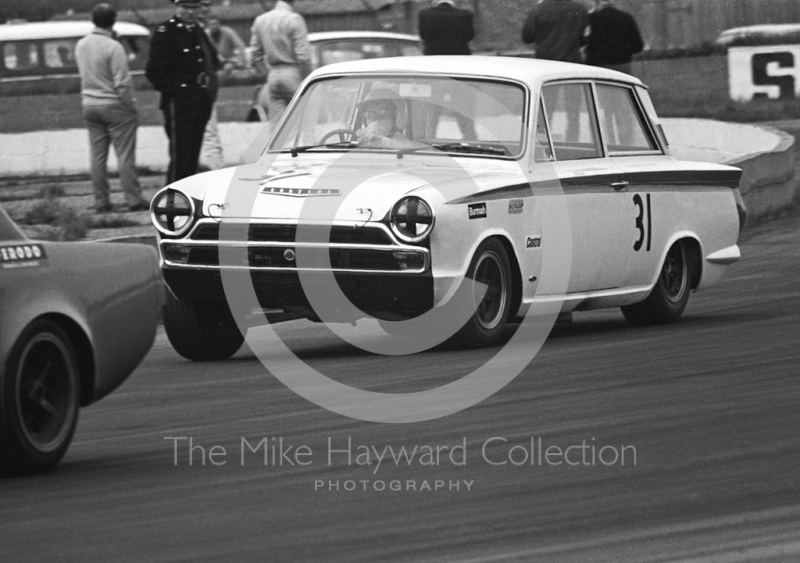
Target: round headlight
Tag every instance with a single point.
(172, 212)
(412, 219)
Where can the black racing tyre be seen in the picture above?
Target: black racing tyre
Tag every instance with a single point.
(669, 297)
(201, 330)
(490, 266)
(39, 400)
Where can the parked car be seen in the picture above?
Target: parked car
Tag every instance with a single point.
(328, 47)
(77, 318)
(644, 229)
(39, 58)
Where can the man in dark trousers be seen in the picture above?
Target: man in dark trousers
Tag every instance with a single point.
(556, 28)
(445, 29)
(183, 66)
(613, 37)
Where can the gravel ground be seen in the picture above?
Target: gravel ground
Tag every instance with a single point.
(18, 197)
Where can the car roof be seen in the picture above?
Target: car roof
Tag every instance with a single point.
(343, 35)
(531, 71)
(62, 30)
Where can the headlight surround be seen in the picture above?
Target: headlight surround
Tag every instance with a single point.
(172, 212)
(412, 219)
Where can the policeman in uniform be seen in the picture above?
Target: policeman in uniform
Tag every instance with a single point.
(183, 66)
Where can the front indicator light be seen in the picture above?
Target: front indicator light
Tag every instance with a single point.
(412, 219)
(176, 253)
(409, 260)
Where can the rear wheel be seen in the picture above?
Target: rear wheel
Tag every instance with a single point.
(201, 330)
(669, 297)
(490, 267)
(40, 398)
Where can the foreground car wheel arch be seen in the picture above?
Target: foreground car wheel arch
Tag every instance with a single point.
(40, 394)
(670, 294)
(201, 331)
(490, 265)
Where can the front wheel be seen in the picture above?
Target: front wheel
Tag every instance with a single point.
(40, 398)
(201, 330)
(669, 297)
(490, 268)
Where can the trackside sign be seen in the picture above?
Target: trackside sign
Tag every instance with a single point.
(769, 71)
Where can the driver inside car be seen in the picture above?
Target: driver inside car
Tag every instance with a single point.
(381, 111)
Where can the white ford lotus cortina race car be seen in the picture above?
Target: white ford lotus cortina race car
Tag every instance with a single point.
(389, 184)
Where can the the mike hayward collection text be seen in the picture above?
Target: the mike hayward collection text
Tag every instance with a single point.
(497, 451)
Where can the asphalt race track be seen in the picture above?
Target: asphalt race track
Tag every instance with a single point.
(706, 412)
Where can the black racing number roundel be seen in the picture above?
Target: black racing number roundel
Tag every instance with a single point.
(644, 225)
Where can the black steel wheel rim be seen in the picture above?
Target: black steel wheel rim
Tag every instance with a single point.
(674, 273)
(489, 271)
(46, 393)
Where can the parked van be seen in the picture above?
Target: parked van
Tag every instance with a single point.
(39, 58)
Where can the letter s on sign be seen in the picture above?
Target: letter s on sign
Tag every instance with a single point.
(760, 77)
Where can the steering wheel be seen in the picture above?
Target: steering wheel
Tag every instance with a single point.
(340, 132)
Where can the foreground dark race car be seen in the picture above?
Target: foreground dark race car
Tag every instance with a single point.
(75, 321)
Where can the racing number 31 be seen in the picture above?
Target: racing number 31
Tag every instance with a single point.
(640, 226)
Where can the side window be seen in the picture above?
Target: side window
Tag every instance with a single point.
(59, 54)
(623, 124)
(342, 51)
(542, 151)
(572, 121)
(20, 56)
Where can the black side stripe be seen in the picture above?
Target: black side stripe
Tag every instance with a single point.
(672, 180)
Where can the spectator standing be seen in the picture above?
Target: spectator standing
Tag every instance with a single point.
(279, 42)
(557, 30)
(183, 66)
(229, 45)
(445, 29)
(109, 109)
(613, 37)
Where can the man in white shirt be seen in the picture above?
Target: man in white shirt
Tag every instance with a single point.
(279, 42)
(109, 109)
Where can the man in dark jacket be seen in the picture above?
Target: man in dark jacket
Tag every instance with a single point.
(613, 37)
(183, 66)
(445, 29)
(556, 28)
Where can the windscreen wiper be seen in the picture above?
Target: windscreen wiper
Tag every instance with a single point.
(473, 148)
(464, 147)
(341, 144)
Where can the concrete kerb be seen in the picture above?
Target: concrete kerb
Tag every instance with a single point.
(769, 185)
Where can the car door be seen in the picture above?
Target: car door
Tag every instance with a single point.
(632, 146)
(592, 184)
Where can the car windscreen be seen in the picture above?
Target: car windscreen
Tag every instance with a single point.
(452, 115)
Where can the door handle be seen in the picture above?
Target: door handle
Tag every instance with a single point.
(619, 185)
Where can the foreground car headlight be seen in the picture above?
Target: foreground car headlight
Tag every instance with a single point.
(412, 219)
(172, 212)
